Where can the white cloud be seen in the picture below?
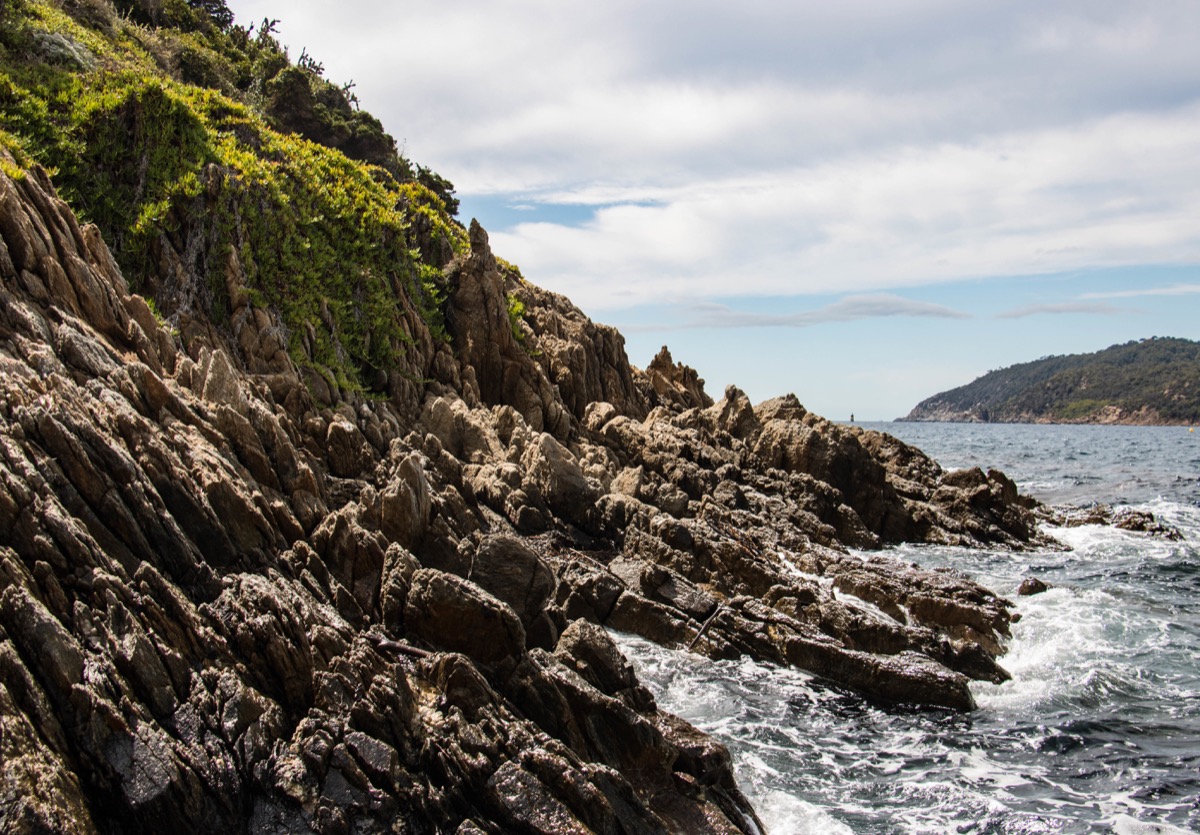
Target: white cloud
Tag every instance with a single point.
(1118, 190)
(851, 308)
(480, 87)
(1172, 290)
(789, 148)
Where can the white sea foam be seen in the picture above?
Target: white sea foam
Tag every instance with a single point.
(1182, 515)
(783, 814)
(1059, 638)
(866, 607)
(1093, 734)
(785, 557)
(1128, 825)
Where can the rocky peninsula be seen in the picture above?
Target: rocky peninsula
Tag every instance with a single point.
(236, 601)
(275, 559)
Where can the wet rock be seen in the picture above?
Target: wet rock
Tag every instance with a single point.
(529, 805)
(1142, 521)
(1073, 517)
(587, 590)
(653, 621)
(588, 649)
(1128, 519)
(1031, 586)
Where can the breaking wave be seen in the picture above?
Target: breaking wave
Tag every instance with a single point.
(1099, 728)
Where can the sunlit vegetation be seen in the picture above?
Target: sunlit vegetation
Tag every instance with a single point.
(183, 135)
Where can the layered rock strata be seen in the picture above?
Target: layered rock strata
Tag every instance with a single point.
(235, 598)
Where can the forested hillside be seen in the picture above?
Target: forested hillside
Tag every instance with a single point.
(1151, 381)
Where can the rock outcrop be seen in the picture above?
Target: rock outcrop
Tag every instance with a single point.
(238, 597)
(1126, 519)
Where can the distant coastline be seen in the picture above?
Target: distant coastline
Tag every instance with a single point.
(1114, 417)
(1151, 382)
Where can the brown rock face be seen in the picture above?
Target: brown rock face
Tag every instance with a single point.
(237, 597)
(674, 384)
(482, 332)
(512, 571)
(213, 587)
(584, 360)
(453, 614)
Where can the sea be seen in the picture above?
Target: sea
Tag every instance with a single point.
(1099, 728)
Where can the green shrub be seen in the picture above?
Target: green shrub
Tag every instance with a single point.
(156, 147)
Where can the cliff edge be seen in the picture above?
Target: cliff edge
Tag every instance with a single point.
(229, 604)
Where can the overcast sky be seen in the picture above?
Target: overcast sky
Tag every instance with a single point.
(864, 202)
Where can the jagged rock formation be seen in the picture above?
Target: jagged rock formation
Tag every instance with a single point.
(236, 598)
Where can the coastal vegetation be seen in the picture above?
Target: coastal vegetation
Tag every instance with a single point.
(1149, 381)
(174, 129)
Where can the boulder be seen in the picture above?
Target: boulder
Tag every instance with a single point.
(1143, 521)
(467, 434)
(354, 558)
(346, 449)
(511, 571)
(1031, 586)
(554, 473)
(735, 415)
(456, 615)
(405, 503)
(588, 649)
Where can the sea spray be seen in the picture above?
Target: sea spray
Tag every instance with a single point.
(1099, 729)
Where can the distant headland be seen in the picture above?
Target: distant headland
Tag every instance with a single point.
(1149, 382)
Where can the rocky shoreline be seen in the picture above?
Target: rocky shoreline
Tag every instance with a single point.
(238, 597)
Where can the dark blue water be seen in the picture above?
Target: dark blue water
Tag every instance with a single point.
(1070, 464)
(1099, 730)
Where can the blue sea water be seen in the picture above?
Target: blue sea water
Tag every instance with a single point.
(1099, 730)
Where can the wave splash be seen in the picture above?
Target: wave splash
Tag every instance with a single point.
(1099, 729)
